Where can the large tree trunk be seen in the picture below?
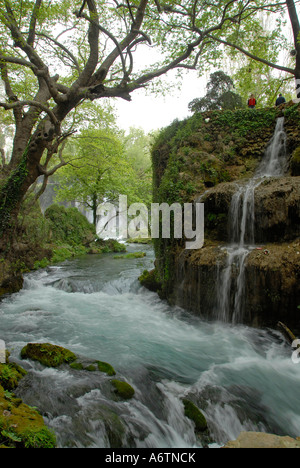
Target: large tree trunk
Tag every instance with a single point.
(296, 31)
(16, 182)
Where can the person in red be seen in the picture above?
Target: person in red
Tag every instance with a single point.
(252, 102)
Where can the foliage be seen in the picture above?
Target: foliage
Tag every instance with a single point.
(10, 375)
(245, 122)
(131, 255)
(101, 173)
(21, 426)
(219, 95)
(56, 56)
(69, 226)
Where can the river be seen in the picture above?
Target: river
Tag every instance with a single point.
(241, 378)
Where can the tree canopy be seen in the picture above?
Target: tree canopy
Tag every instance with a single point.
(56, 55)
(219, 95)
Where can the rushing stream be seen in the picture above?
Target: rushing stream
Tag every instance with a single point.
(241, 378)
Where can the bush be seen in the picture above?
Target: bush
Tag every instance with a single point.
(69, 226)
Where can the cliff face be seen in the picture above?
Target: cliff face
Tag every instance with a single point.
(207, 159)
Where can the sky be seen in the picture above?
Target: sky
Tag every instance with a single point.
(151, 112)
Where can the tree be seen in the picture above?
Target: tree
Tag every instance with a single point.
(97, 171)
(236, 41)
(56, 55)
(218, 96)
(137, 149)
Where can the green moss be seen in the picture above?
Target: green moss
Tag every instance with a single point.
(109, 245)
(105, 367)
(123, 389)
(10, 375)
(76, 365)
(192, 412)
(47, 354)
(131, 255)
(69, 226)
(150, 280)
(91, 368)
(22, 426)
(295, 163)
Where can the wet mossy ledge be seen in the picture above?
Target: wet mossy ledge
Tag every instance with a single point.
(21, 426)
(50, 355)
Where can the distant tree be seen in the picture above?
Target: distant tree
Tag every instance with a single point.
(97, 172)
(219, 95)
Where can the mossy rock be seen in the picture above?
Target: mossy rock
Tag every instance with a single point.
(105, 367)
(295, 163)
(76, 366)
(22, 426)
(10, 375)
(48, 354)
(123, 389)
(192, 412)
(131, 255)
(150, 280)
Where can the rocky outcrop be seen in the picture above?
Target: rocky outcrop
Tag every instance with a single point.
(206, 160)
(272, 279)
(277, 209)
(262, 440)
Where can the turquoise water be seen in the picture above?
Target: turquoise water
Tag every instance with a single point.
(241, 378)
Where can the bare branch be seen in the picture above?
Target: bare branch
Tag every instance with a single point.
(252, 56)
(37, 104)
(32, 27)
(61, 46)
(93, 38)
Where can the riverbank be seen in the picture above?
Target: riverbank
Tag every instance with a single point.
(45, 240)
(240, 378)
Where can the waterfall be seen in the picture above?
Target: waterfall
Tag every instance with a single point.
(231, 281)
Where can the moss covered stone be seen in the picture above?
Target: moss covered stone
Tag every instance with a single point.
(105, 367)
(48, 354)
(123, 389)
(150, 280)
(21, 426)
(131, 255)
(10, 375)
(76, 365)
(192, 412)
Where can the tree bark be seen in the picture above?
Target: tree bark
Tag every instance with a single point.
(296, 31)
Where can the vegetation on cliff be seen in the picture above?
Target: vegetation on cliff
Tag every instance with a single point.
(207, 154)
(20, 425)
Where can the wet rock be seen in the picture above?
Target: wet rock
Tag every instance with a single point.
(123, 389)
(262, 440)
(277, 210)
(47, 354)
(192, 412)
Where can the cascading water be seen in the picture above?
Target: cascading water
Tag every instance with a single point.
(231, 297)
(241, 378)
